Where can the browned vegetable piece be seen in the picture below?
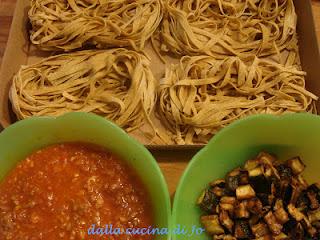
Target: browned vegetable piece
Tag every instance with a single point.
(228, 203)
(273, 225)
(315, 188)
(267, 171)
(228, 200)
(279, 212)
(243, 177)
(218, 191)
(220, 183)
(255, 206)
(266, 158)
(224, 237)
(303, 201)
(275, 188)
(241, 210)
(310, 229)
(258, 171)
(297, 233)
(245, 192)
(281, 236)
(211, 224)
(265, 237)
(295, 213)
(285, 172)
(314, 216)
(208, 201)
(296, 165)
(303, 183)
(254, 219)
(299, 182)
(225, 220)
(297, 190)
(260, 230)
(251, 164)
(242, 229)
(233, 179)
(316, 224)
(314, 204)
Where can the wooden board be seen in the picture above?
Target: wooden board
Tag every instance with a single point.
(172, 162)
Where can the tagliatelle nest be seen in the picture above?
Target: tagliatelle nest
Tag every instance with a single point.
(116, 84)
(243, 28)
(201, 95)
(72, 24)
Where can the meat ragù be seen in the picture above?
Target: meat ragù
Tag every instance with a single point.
(60, 191)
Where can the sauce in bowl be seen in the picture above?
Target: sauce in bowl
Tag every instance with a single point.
(61, 191)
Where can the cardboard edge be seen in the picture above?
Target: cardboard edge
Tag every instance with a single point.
(15, 55)
(175, 147)
(308, 45)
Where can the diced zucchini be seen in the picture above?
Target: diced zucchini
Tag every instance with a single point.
(273, 225)
(208, 201)
(245, 192)
(242, 229)
(254, 206)
(295, 213)
(219, 183)
(279, 212)
(241, 210)
(212, 225)
(201, 197)
(266, 158)
(260, 230)
(251, 164)
(227, 199)
(255, 172)
(314, 216)
(296, 165)
(281, 236)
(226, 220)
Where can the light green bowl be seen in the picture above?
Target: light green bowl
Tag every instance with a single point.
(286, 136)
(24, 137)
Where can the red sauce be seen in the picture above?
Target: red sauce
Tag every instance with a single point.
(60, 191)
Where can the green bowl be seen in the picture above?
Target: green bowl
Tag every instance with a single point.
(24, 137)
(286, 136)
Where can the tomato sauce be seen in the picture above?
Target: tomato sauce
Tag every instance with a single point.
(60, 191)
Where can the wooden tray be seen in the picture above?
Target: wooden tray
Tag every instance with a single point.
(172, 159)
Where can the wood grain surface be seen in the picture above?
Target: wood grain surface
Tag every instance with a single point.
(172, 163)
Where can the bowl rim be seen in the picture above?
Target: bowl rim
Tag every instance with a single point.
(75, 116)
(217, 137)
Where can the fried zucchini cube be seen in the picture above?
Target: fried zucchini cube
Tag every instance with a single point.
(245, 192)
(296, 165)
(212, 224)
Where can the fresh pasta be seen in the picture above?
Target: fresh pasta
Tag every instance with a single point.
(243, 28)
(201, 95)
(72, 24)
(116, 84)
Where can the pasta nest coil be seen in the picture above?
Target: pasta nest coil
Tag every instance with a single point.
(201, 95)
(71, 24)
(116, 84)
(243, 28)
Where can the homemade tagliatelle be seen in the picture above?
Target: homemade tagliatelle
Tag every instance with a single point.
(201, 95)
(71, 24)
(243, 28)
(116, 84)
